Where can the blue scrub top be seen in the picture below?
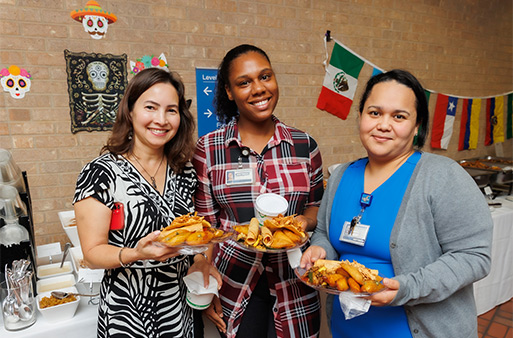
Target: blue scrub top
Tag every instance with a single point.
(380, 215)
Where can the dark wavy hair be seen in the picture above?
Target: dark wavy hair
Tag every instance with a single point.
(421, 104)
(226, 109)
(180, 148)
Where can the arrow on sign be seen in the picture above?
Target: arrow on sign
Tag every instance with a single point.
(208, 113)
(206, 91)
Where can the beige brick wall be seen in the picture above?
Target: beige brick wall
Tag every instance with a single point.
(459, 47)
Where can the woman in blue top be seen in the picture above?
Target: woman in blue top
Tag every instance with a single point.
(418, 218)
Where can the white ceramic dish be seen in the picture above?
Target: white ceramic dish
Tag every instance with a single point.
(67, 218)
(59, 312)
(53, 270)
(54, 283)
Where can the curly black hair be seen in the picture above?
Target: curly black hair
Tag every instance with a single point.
(226, 109)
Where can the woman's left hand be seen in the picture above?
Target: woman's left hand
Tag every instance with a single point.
(385, 297)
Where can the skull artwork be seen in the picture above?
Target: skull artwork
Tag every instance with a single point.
(16, 81)
(98, 74)
(96, 26)
(94, 19)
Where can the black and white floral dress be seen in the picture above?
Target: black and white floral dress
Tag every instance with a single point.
(148, 299)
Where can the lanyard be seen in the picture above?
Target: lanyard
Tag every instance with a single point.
(365, 201)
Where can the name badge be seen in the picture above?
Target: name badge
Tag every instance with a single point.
(239, 176)
(357, 236)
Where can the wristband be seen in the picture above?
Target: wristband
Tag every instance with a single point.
(123, 265)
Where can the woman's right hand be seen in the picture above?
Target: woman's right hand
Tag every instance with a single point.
(149, 248)
(215, 314)
(312, 254)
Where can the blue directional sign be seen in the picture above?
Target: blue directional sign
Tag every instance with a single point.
(206, 79)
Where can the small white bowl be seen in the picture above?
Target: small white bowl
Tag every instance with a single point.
(54, 283)
(53, 270)
(59, 312)
(67, 218)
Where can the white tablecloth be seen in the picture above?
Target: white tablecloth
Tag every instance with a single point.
(82, 325)
(497, 287)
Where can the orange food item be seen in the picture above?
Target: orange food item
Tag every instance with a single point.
(353, 285)
(342, 284)
(52, 301)
(199, 237)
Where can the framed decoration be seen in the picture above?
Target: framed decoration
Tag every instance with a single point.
(96, 83)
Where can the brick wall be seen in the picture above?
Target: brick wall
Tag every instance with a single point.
(457, 47)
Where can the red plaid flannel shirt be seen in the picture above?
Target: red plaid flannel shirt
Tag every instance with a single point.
(280, 169)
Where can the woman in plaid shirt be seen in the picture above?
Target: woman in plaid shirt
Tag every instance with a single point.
(260, 295)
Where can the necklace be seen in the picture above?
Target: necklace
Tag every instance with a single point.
(152, 178)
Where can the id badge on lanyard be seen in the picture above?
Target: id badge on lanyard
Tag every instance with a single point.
(243, 175)
(354, 232)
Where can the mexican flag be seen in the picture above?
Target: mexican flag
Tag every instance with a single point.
(340, 82)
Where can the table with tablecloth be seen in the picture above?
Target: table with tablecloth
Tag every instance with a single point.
(497, 287)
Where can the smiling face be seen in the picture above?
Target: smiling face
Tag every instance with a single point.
(155, 117)
(253, 87)
(388, 121)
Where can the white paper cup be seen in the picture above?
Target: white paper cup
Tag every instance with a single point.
(199, 302)
(269, 205)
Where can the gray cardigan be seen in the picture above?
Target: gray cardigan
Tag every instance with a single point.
(440, 244)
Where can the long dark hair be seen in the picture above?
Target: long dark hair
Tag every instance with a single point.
(226, 109)
(180, 148)
(405, 78)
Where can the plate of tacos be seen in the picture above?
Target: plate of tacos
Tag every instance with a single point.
(335, 277)
(192, 231)
(278, 234)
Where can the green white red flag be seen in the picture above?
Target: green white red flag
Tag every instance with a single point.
(340, 82)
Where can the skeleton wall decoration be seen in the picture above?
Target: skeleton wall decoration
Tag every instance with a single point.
(16, 81)
(94, 19)
(96, 83)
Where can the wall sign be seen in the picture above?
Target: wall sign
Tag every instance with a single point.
(206, 80)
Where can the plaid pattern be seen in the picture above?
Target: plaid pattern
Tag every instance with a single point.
(290, 165)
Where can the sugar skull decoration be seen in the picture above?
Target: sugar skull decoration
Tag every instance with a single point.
(15, 80)
(98, 74)
(148, 61)
(94, 19)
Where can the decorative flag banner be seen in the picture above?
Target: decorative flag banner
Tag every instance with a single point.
(94, 19)
(15, 80)
(443, 121)
(469, 130)
(494, 120)
(376, 71)
(340, 82)
(509, 121)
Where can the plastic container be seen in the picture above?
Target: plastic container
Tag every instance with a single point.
(17, 297)
(10, 173)
(53, 270)
(59, 312)
(70, 227)
(270, 205)
(11, 205)
(55, 283)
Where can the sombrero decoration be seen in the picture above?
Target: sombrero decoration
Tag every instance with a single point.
(92, 8)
